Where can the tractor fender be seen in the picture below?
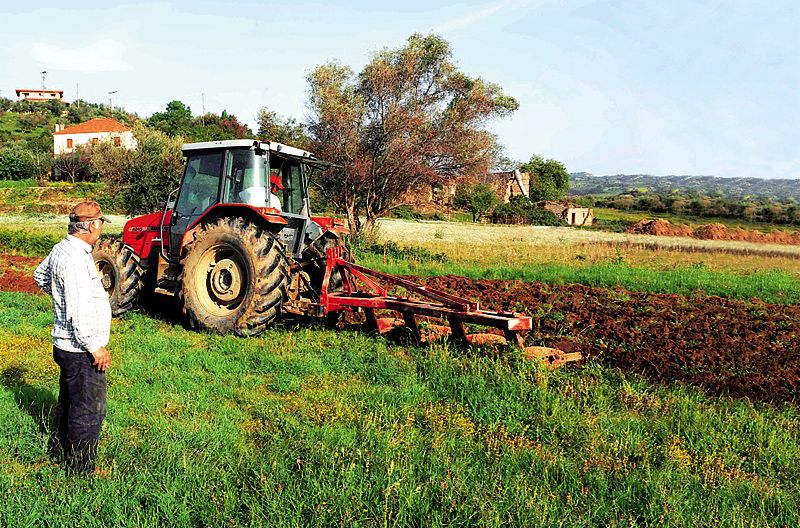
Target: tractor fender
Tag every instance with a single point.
(258, 215)
(334, 225)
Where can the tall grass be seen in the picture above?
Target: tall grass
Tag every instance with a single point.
(312, 427)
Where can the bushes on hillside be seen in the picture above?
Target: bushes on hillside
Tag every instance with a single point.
(15, 164)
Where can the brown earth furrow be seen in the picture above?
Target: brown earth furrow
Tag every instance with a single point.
(725, 346)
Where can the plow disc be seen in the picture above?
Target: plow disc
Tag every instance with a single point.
(366, 289)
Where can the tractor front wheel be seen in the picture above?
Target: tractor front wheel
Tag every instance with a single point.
(235, 277)
(120, 274)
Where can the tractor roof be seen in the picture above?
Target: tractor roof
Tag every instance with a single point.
(271, 146)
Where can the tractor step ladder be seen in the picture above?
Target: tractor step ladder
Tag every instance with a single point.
(372, 296)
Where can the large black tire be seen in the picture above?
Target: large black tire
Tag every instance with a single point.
(120, 273)
(235, 277)
(315, 253)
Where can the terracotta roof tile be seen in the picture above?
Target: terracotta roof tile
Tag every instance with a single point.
(98, 124)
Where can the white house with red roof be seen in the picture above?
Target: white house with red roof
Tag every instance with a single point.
(33, 94)
(92, 132)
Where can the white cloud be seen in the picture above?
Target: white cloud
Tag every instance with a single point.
(477, 16)
(103, 55)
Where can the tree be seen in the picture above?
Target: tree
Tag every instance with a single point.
(476, 198)
(409, 117)
(549, 178)
(151, 172)
(108, 163)
(286, 130)
(15, 164)
(520, 209)
(75, 165)
(40, 163)
(176, 120)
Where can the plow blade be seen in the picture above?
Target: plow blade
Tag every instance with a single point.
(364, 289)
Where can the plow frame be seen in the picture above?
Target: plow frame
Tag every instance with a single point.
(373, 296)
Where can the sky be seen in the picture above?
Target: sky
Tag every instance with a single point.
(606, 87)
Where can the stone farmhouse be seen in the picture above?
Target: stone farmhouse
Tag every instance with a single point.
(92, 132)
(571, 213)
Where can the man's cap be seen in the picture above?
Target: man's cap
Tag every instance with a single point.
(275, 179)
(86, 212)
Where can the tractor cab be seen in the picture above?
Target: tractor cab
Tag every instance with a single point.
(269, 178)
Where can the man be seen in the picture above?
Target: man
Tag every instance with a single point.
(82, 324)
(275, 185)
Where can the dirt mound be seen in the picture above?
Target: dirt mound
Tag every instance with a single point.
(712, 232)
(659, 227)
(722, 345)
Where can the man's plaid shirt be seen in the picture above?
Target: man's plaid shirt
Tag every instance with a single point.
(81, 311)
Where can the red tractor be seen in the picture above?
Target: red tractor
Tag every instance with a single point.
(238, 244)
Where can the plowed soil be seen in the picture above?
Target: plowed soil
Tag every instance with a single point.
(16, 273)
(724, 346)
(660, 227)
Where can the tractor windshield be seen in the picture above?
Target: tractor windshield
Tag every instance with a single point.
(200, 184)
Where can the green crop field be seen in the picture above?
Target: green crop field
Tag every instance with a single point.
(309, 426)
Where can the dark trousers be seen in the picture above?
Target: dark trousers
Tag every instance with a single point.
(80, 411)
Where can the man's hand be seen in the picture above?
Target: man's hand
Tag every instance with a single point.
(102, 359)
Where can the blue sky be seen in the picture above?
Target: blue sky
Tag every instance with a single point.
(607, 87)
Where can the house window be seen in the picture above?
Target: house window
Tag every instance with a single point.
(117, 141)
(69, 143)
(52, 95)
(94, 141)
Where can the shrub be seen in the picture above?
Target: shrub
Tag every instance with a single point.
(520, 210)
(406, 212)
(15, 164)
(27, 243)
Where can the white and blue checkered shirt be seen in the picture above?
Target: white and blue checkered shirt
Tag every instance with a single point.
(81, 311)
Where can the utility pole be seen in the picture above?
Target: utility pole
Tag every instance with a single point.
(110, 105)
(203, 106)
(43, 85)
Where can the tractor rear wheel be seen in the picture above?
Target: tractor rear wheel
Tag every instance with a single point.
(235, 277)
(120, 274)
(316, 254)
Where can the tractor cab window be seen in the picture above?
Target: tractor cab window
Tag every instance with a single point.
(245, 178)
(200, 186)
(291, 177)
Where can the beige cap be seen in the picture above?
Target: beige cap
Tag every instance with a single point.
(86, 212)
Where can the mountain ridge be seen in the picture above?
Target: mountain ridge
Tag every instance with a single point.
(584, 183)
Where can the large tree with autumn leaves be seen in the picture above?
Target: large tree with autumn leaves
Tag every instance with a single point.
(409, 117)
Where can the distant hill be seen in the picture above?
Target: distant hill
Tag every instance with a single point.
(583, 183)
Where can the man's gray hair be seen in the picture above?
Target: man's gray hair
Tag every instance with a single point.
(79, 227)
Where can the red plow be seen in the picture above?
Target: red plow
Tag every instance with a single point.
(365, 289)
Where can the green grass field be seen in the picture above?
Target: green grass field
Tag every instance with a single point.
(305, 426)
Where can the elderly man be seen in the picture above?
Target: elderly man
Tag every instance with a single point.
(82, 324)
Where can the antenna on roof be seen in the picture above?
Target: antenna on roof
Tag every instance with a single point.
(43, 74)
